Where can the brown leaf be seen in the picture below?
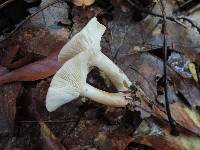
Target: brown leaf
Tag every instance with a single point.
(35, 71)
(158, 136)
(121, 142)
(188, 52)
(9, 55)
(186, 117)
(3, 70)
(189, 91)
(146, 68)
(8, 95)
(29, 58)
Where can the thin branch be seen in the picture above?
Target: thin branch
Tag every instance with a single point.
(171, 121)
(173, 19)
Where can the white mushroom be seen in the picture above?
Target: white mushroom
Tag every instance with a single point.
(70, 82)
(88, 40)
(79, 55)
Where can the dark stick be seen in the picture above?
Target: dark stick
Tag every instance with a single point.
(171, 121)
(171, 18)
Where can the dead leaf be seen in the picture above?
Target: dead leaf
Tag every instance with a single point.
(144, 69)
(159, 137)
(29, 58)
(41, 41)
(9, 55)
(35, 71)
(121, 142)
(8, 95)
(3, 70)
(186, 117)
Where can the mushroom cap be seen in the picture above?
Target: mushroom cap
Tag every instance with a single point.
(88, 39)
(58, 96)
(67, 82)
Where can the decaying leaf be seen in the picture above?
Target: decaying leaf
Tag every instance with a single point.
(159, 137)
(35, 71)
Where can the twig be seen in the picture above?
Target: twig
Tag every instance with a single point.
(5, 3)
(174, 19)
(171, 121)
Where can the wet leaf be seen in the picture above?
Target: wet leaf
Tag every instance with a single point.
(35, 71)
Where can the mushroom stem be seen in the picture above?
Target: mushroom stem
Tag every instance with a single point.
(116, 75)
(111, 99)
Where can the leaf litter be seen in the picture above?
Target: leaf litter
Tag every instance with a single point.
(87, 125)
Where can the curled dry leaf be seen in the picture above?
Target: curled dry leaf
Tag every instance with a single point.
(35, 71)
(159, 137)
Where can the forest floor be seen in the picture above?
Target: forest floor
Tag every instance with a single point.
(134, 41)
